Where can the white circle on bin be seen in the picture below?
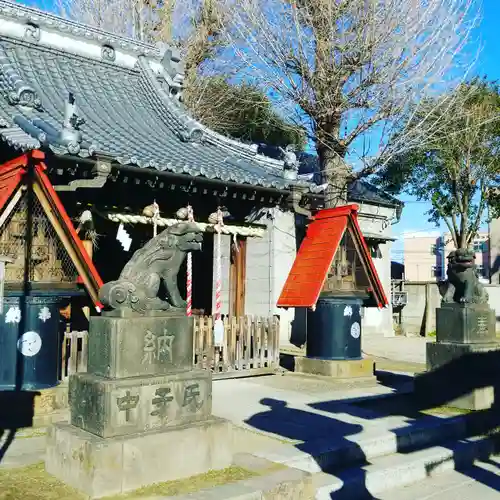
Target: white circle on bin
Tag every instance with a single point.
(29, 344)
(355, 330)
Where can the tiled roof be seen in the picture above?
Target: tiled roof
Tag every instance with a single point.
(124, 90)
(359, 190)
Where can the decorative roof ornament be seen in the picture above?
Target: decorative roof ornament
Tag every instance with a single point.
(71, 134)
(108, 53)
(21, 93)
(291, 164)
(32, 32)
(173, 72)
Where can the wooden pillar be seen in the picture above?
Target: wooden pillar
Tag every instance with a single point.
(89, 248)
(237, 277)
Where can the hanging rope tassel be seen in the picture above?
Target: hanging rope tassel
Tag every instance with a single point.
(218, 325)
(189, 270)
(156, 216)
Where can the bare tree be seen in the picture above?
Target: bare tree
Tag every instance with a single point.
(144, 20)
(351, 71)
(457, 169)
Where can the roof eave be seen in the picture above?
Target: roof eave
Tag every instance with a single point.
(184, 177)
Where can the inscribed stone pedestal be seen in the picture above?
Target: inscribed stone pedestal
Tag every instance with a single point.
(461, 371)
(465, 323)
(140, 405)
(110, 408)
(144, 345)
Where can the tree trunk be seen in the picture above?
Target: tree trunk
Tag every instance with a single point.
(334, 170)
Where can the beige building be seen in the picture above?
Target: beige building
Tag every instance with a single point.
(425, 255)
(494, 229)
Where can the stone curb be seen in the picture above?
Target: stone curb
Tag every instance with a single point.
(286, 484)
(387, 473)
(323, 454)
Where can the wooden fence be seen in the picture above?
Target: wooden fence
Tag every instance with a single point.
(250, 347)
(74, 353)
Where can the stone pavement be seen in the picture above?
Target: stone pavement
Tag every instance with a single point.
(287, 407)
(23, 451)
(280, 409)
(481, 482)
(405, 349)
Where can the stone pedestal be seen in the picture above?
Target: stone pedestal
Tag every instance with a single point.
(462, 365)
(352, 370)
(139, 406)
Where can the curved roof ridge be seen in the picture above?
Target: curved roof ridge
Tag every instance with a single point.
(20, 12)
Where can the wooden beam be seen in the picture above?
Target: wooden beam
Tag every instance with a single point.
(65, 240)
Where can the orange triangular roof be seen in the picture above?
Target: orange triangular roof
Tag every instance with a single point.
(12, 178)
(316, 253)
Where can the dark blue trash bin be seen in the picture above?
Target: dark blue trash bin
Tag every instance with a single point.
(334, 329)
(33, 342)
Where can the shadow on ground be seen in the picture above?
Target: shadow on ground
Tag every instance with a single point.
(16, 412)
(17, 406)
(434, 389)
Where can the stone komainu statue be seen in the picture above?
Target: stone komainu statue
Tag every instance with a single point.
(159, 260)
(463, 285)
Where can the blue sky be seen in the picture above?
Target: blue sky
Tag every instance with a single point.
(414, 218)
(488, 35)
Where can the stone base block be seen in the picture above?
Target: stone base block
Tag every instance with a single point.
(341, 369)
(100, 467)
(51, 400)
(143, 345)
(460, 375)
(441, 354)
(465, 323)
(109, 408)
(477, 399)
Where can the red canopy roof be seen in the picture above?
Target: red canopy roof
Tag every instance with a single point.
(315, 257)
(12, 177)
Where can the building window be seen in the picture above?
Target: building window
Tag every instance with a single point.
(481, 271)
(436, 272)
(479, 246)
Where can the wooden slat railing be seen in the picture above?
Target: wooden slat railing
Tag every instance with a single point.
(74, 354)
(250, 346)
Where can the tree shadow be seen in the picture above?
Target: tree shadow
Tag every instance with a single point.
(438, 388)
(315, 430)
(305, 427)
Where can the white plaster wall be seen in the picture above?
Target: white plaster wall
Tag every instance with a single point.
(377, 220)
(269, 261)
(378, 322)
(259, 276)
(284, 250)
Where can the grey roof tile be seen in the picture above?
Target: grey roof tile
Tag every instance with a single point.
(127, 112)
(359, 190)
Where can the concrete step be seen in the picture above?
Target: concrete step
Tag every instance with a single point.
(479, 482)
(397, 470)
(327, 454)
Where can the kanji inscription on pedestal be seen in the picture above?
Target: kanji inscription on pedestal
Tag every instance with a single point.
(157, 347)
(127, 403)
(192, 398)
(161, 400)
